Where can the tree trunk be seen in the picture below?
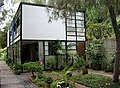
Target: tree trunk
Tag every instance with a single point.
(116, 64)
(117, 34)
(33, 73)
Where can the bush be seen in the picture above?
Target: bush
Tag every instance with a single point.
(40, 76)
(33, 67)
(17, 68)
(109, 67)
(50, 62)
(48, 80)
(11, 65)
(39, 82)
(98, 61)
(7, 60)
(78, 63)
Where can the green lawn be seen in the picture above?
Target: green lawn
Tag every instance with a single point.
(95, 81)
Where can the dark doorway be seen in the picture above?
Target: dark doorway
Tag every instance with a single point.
(29, 52)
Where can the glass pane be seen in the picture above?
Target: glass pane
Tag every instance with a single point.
(71, 38)
(73, 43)
(46, 43)
(81, 38)
(71, 25)
(79, 29)
(69, 21)
(81, 34)
(72, 47)
(46, 52)
(70, 29)
(46, 47)
(80, 13)
(71, 33)
(80, 23)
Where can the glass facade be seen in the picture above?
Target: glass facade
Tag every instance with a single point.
(14, 53)
(43, 49)
(75, 27)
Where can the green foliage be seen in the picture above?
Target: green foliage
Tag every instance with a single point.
(79, 63)
(11, 65)
(41, 75)
(33, 1)
(50, 62)
(32, 67)
(0, 53)
(100, 31)
(97, 61)
(7, 60)
(95, 54)
(61, 76)
(54, 84)
(39, 82)
(96, 81)
(43, 80)
(48, 80)
(109, 63)
(3, 40)
(17, 68)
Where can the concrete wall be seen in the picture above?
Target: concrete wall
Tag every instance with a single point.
(110, 45)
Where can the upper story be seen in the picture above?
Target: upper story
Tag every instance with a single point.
(32, 22)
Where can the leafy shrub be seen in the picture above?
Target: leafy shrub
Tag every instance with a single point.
(109, 67)
(97, 61)
(39, 82)
(32, 67)
(7, 60)
(17, 68)
(48, 80)
(41, 75)
(95, 54)
(79, 62)
(11, 65)
(50, 63)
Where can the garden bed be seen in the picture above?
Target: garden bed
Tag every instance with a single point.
(95, 81)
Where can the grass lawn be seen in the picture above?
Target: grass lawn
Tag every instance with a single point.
(95, 81)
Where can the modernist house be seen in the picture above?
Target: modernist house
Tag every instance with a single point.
(33, 37)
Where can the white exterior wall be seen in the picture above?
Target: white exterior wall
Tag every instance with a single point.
(8, 38)
(35, 25)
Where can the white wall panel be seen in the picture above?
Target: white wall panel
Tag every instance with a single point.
(8, 38)
(35, 25)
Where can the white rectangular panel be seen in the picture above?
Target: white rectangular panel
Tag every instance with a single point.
(8, 38)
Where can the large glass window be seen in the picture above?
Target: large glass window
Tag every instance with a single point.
(54, 47)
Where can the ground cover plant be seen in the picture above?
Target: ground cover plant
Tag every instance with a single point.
(95, 81)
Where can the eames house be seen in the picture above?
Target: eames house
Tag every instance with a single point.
(35, 36)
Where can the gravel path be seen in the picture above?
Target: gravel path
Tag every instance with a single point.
(25, 80)
(9, 80)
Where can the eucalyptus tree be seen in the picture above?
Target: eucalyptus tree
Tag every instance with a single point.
(1, 3)
(32, 1)
(111, 6)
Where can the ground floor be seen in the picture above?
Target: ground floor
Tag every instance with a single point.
(52, 54)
